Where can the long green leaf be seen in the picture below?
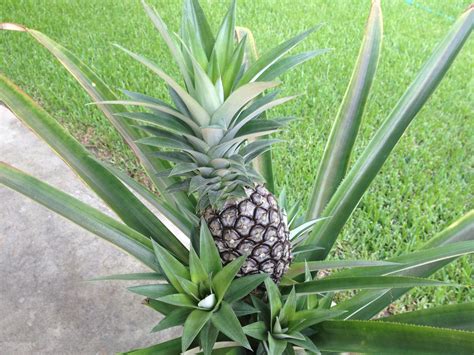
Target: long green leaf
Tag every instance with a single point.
(208, 338)
(366, 304)
(285, 64)
(198, 19)
(208, 251)
(226, 321)
(196, 268)
(224, 43)
(299, 268)
(158, 306)
(153, 291)
(363, 282)
(272, 56)
(458, 231)
(170, 347)
(416, 260)
(197, 111)
(274, 299)
(390, 338)
(232, 71)
(453, 316)
(344, 131)
(157, 108)
(191, 47)
(108, 187)
(222, 280)
(305, 319)
(99, 91)
(289, 308)
(193, 325)
(174, 220)
(179, 299)
(189, 287)
(242, 122)
(242, 286)
(276, 346)
(175, 318)
(243, 309)
(80, 213)
(171, 266)
(221, 348)
(161, 120)
(354, 185)
(263, 163)
(131, 277)
(257, 330)
(237, 100)
(165, 34)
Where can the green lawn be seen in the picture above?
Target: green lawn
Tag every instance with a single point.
(426, 184)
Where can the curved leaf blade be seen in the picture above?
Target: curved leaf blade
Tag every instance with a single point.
(366, 304)
(179, 300)
(226, 321)
(165, 34)
(299, 268)
(354, 185)
(285, 64)
(153, 291)
(98, 177)
(131, 277)
(274, 299)
(363, 282)
(382, 338)
(339, 146)
(208, 251)
(269, 58)
(222, 280)
(256, 330)
(406, 264)
(171, 266)
(99, 91)
(174, 220)
(193, 325)
(197, 111)
(170, 347)
(80, 213)
(242, 286)
(237, 100)
(263, 163)
(452, 316)
(174, 319)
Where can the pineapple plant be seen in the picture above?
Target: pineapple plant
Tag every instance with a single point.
(240, 269)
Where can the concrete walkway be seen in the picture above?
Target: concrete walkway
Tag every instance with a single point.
(46, 306)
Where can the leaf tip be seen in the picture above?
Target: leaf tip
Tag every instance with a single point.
(10, 26)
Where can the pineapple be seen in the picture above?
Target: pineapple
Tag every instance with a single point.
(253, 226)
(216, 128)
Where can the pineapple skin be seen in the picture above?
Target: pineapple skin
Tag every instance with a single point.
(253, 226)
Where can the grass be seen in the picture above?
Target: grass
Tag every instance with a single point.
(424, 185)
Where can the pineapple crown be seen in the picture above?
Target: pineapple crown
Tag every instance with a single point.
(214, 128)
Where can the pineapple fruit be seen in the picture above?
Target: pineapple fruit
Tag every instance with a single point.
(253, 226)
(216, 128)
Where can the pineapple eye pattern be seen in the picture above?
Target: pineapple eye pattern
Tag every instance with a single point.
(255, 227)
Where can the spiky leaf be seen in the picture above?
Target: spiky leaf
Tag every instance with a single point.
(226, 321)
(208, 251)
